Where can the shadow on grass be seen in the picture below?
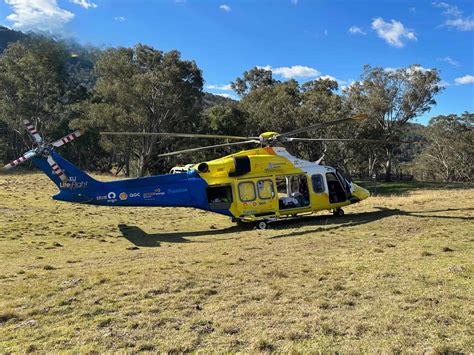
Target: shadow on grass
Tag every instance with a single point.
(352, 220)
(140, 238)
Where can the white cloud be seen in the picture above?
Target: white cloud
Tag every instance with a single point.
(449, 60)
(227, 96)
(120, 18)
(444, 84)
(38, 15)
(449, 10)
(356, 31)
(463, 80)
(219, 87)
(461, 24)
(225, 7)
(351, 84)
(393, 32)
(414, 68)
(330, 77)
(456, 19)
(296, 71)
(86, 4)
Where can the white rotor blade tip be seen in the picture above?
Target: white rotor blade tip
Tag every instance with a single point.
(20, 160)
(32, 131)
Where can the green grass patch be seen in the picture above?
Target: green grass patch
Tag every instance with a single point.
(395, 274)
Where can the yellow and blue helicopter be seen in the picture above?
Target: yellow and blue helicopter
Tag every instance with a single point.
(259, 185)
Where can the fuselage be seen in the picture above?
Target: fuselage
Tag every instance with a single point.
(249, 185)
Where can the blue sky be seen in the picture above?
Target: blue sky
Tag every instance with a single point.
(303, 39)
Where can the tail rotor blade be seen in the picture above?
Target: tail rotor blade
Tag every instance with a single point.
(33, 132)
(66, 139)
(21, 159)
(56, 169)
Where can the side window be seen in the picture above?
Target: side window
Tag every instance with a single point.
(318, 183)
(265, 189)
(247, 191)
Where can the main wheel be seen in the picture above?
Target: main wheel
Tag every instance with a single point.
(262, 225)
(338, 212)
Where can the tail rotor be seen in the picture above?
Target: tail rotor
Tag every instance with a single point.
(44, 149)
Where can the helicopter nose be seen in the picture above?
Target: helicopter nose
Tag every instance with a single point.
(360, 192)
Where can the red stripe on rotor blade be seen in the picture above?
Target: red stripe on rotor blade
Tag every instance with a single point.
(60, 173)
(73, 136)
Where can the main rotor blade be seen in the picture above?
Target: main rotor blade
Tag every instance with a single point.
(207, 147)
(361, 116)
(56, 169)
(350, 140)
(33, 132)
(21, 159)
(178, 135)
(66, 139)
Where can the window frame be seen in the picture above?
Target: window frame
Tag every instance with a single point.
(254, 191)
(273, 190)
(323, 184)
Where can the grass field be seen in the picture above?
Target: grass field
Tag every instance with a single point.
(393, 275)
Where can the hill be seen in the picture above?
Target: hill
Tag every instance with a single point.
(8, 36)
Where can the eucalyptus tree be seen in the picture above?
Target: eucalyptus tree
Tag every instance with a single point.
(392, 98)
(143, 89)
(33, 83)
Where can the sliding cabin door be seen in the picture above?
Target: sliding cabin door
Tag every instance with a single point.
(257, 197)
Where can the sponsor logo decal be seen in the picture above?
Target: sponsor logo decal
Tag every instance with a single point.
(274, 166)
(72, 184)
(123, 196)
(177, 191)
(153, 194)
(111, 197)
(135, 194)
(98, 198)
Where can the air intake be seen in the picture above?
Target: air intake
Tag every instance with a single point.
(242, 166)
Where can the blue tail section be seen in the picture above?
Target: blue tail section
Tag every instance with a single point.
(169, 190)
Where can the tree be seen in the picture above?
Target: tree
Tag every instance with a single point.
(33, 83)
(144, 90)
(450, 149)
(252, 80)
(393, 98)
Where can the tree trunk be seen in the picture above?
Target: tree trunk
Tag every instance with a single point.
(388, 163)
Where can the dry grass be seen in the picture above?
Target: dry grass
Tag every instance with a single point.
(395, 274)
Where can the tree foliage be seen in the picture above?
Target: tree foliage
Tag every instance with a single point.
(63, 85)
(142, 89)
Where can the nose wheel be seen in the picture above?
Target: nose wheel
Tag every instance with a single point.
(262, 225)
(338, 212)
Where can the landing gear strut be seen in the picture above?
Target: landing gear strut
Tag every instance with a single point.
(338, 212)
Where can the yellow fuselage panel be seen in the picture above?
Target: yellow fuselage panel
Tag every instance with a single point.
(265, 164)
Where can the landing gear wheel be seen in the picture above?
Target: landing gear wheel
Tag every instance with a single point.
(262, 225)
(338, 212)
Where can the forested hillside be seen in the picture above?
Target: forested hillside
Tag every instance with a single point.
(61, 86)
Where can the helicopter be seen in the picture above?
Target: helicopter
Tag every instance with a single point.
(259, 185)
